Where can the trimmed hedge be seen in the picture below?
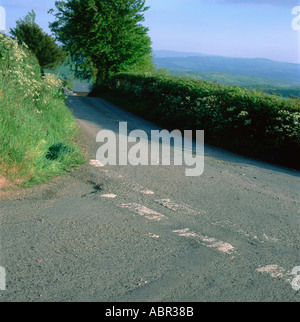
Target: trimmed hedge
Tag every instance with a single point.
(251, 123)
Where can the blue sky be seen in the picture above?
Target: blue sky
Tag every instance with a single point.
(235, 28)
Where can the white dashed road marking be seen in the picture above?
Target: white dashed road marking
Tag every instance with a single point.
(153, 236)
(275, 271)
(144, 211)
(207, 241)
(228, 225)
(147, 192)
(109, 196)
(96, 164)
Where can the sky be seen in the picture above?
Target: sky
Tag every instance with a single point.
(232, 28)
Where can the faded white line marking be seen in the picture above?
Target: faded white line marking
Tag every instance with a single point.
(178, 208)
(153, 236)
(109, 196)
(271, 239)
(275, 271)
(228, 225)
(207, 241)
(96, 164)
(147, 192)
(144, 211)
(138, 188)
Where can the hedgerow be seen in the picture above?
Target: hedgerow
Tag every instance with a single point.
(253, 123)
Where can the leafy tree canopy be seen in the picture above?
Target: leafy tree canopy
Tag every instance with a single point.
(103, 36)
(47, 51)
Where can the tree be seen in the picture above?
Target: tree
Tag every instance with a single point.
(103, 36)
(47, 51)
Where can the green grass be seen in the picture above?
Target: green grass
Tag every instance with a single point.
(37, 131)
(269, 86)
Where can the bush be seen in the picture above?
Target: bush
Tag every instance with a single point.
(253, 123)
(33, 118)
(44, 47)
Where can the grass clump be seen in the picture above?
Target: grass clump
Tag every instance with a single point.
(34, 119)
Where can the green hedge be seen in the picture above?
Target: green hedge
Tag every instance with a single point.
(248, 122)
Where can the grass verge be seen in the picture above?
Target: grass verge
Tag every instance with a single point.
(37, 131)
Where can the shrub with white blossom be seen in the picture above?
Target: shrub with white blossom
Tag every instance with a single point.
(33, 118)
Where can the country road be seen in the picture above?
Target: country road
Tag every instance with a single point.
(149, 233)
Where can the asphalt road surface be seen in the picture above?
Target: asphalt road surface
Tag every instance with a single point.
(149, 233)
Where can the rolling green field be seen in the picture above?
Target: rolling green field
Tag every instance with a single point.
(252, 83)
(259, 67)
(269, 76)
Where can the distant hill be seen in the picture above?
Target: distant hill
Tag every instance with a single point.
(252, 83)
(259, 67)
